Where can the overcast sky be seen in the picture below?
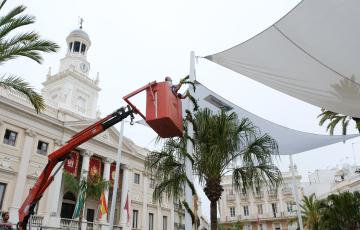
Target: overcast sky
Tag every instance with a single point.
(135, 42)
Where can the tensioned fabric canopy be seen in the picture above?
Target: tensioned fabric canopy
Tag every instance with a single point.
(312, 53)
(290, 141)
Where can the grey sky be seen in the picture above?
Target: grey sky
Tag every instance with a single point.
(135, 42)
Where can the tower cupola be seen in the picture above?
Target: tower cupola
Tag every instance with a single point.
(78, 43)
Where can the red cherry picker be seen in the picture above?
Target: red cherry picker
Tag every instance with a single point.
(163, 114)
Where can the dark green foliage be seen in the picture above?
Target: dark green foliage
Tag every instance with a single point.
(341, 211)
(336, 212)
(310, 209)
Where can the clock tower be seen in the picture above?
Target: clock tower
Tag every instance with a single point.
(72, 89)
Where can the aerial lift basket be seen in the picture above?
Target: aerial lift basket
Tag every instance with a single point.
(163, 109)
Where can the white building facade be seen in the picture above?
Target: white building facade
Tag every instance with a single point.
(264, 208)
(26, 138)
(323, 182)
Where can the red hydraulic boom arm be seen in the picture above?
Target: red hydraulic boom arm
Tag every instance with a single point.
(60, 155)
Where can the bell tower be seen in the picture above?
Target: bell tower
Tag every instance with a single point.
(71, 89)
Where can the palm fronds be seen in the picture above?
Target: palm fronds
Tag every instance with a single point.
(27, 44)
(310, 209)
(24, 44)
(335, 119)
(18, 84)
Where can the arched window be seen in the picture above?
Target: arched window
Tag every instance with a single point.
(68, 205)
(83, 48)
(70, 46)
(76, 46)
(69, 196)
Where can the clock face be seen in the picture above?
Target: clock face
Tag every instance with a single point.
(84, 67)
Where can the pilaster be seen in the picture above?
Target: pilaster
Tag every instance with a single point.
(145, 200)
(22, 174)
(54, 199)
(106, 176)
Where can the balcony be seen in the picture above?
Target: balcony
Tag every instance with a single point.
(179, 226)
(258, 195)
(272, 194)
(36, 221)
(69, 223)
(230, 197)
(287, 191)
(178, 208)
(232, 218)
(244, 196)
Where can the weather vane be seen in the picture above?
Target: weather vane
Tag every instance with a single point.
(81, 20)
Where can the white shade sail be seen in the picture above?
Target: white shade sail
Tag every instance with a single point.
(312, 53)
(289, 141)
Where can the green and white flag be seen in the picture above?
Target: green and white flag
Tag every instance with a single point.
(79, 204)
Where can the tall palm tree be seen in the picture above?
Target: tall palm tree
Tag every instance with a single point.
(311, 212)
(220, 140)
(22, 44)
(341, 211)
(335, 119)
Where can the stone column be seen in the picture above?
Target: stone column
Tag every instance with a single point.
(85, 163)
(106, 176)
(84, 173)
(22, 174)
(145, 201)
(124, 192)
(54, 199)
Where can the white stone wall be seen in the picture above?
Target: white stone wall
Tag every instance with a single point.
(235, 199)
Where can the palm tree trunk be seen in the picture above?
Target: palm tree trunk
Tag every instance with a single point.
(213, 190)
(213, 215)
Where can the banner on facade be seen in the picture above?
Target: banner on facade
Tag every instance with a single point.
(95, 166)
(71, 165)
(112, 174)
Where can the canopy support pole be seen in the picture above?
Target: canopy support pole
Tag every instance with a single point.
(296, 194)
(116, 179)
(189, 147)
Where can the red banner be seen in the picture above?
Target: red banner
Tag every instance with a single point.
(71, 165)
(112, 174)
(95, 166)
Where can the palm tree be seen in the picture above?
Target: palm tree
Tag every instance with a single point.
(334, 119)
(341, 211)
(92, 187)
(311, 212)
(220, 140)
(23, 44)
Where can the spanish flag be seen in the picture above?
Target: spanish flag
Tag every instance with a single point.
(103, 206)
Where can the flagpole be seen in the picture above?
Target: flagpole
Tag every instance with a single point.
(189, 147)
(116, 180)
(296, 193)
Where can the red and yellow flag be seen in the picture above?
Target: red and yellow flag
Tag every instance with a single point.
(103, 206)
